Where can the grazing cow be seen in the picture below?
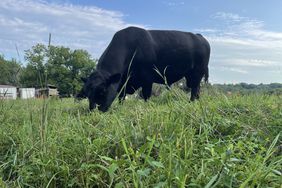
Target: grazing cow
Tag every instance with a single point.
(138, 58)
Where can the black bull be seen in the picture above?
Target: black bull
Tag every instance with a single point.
(138, 58)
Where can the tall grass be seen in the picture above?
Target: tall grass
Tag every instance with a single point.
(219, 141)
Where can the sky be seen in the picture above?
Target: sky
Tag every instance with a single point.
(245, 35)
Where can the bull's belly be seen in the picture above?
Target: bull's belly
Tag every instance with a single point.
(161, 72)
(168, 78)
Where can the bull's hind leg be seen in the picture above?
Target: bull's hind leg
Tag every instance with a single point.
(195, 93)
(147, 91)
(188, 84)
(195, 82)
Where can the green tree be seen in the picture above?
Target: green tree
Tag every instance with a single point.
(66, 67)
(34, 74)
(57, 65)
(9, 71)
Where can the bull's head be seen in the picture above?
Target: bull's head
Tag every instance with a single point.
(101, 89)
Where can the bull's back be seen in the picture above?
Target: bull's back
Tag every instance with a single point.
(176, 47)
(172, 53)
(177, 39)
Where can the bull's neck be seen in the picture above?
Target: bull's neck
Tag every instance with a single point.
(116, 60)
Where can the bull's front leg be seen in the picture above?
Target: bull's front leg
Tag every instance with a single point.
(92, 105)
(195, 93)
(147, 91)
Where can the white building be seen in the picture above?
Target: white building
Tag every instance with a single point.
(27, 93)
(8, 92)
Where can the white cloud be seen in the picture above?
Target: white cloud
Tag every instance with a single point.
(242, 25)
(244, 45)
(232, 69)
(247, 66)
(207, 30)
(244, 31)
(173, 4)
(28, 22)
(253, 62)
(228, 16)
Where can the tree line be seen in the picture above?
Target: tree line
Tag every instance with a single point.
(245, 88)
(56, 65)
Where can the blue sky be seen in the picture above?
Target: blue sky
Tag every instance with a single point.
(245, 35)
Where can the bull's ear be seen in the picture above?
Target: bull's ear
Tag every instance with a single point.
(83, 79)
(114, 78)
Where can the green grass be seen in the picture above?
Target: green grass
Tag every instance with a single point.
(219, 141)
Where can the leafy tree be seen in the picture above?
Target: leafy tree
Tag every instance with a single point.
(57, 65)
(34, 74)
(31, 77)
(9, 71)
(80, 65)
(66, 67)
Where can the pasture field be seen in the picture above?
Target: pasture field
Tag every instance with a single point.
(219, 141)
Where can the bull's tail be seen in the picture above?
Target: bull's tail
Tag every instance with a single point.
(206, 74)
